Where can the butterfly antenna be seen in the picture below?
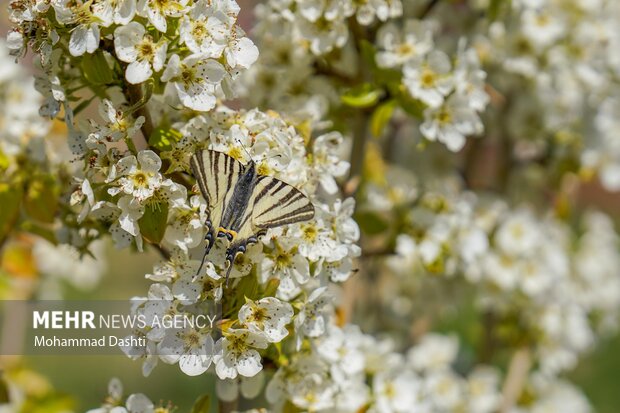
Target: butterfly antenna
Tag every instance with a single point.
(244, 148)
(277, 155)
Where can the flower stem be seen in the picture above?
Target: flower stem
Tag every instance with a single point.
(515, 379)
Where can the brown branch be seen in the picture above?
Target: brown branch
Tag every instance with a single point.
(133, 93)
(162, 251)
(135, 96)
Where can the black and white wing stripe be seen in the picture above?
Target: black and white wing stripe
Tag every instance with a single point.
(276, 203)
(273, 203)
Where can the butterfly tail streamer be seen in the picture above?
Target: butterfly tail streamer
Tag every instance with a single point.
(230, 266)
(202, 262)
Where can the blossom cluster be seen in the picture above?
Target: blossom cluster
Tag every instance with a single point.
(194, 49)
(347, 370)
(27, 137)
(324, 25)
(300, 67)
(292, 262)
(559, 64)
(452, 91)
(559, 282)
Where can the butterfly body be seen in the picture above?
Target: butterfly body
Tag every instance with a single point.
(242, 204)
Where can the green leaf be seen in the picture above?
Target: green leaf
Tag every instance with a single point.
(498, 7)
(83, 105)
(50, 403)
(4, 162)
(248, 287)
(370, 223)
(363, 96)
(410, 105)
(4, 392)
(389, 77)
(271, 287)
(33, 228)
(368, 51)
(153, 222)
(162, 138)
(202, 404)
(290, 408)
(41, 200)
(96, 69)
(381, 116)
(10, 200)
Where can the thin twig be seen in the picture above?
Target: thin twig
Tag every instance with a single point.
(162, 251)
(135, 96)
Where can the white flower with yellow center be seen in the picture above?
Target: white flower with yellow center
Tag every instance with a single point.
(397, 392)
(158, 11)
(205, 30)
(88, 17)
(341, 348)
(268, 316)
(195, 79)
(483, 390)
(118, 125)
(435, 351)
(451, 122)
(138, 177)
(285, 263)
(134, 46)
(186, 224)
(191, 348)
(113, 398)
(313, 316)
(236, 353)
(315, 240)
(429, 80)
(123, 11)
(399, 46)
(190, 288)
(326, 162)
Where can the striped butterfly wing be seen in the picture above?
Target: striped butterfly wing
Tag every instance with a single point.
(273, 203)
(276, 203)
(216, 174)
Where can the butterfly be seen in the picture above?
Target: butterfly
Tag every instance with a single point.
(242, 204)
